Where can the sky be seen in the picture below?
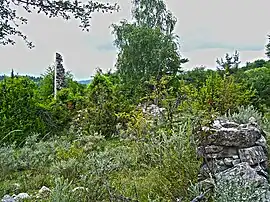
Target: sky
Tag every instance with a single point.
(208, 29)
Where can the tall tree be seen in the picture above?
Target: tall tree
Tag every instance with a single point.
(10, 20)
(12, 73)
(153, 14)
(147, 46)
(267, 53)
(230, 64)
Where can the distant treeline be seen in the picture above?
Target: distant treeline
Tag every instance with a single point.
(33, 78)
(249, 65)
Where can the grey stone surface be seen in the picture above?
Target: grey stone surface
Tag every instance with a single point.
(245, 172)
(21, 197)
(242, 183)
(236, 153)
(228, 161)
(233, 137)
(44, 192)
(15, 198)
(214, 151)
(8, 198)
(252, 155)
(262, 142)
(60, 72)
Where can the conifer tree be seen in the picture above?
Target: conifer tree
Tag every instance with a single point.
(12, 73)
(267, 53)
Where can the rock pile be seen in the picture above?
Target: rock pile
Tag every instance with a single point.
(44, 192)
(152, 110)
(15, 198)
(232, 150)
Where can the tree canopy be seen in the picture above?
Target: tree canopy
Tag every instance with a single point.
(10, 21)
(148, 48)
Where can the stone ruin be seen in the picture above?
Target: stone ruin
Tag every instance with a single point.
(60, 72)
(232, 151)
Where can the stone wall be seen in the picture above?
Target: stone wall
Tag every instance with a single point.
(230, 150)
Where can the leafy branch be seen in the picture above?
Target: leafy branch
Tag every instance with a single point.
(10, 21)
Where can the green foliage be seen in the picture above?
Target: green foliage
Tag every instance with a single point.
(33, 78)
(259, 80)
(153, 167)
(10, 20)
(61, 110)
(99, 113)
(61, 191)
(160, 17)
(19, 113)
(197, 76)
(46, 86)
(147, 48)
(230, 65)
(256, 64)
(145, 52)
(243, 114)
(132, 134)
(72, 91)
(222, 94)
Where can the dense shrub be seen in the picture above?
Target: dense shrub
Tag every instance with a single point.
(19, 112)
(222, 94)
(98, 113)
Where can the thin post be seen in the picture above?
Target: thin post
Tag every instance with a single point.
(55, 84)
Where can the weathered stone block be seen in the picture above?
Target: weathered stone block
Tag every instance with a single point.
(244, 171)
(228, 161)
(232, 137)
(234, 151)
(214, 151)
(253, 155)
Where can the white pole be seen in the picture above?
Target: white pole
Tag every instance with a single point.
(55, 86)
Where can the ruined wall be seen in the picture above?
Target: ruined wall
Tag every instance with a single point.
(233, 151)
(60, 72)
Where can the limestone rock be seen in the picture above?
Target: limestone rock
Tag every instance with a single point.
(234, 137)
(8, 198)
(228, 161)
(235, 154)
(214, 151)
(212, 167)
(16, 198)
(21, 197)
(253, 155)
(262, 142)
(229, 124)
(243, 182)
(44, 192)
(244, 171)
(252, 121)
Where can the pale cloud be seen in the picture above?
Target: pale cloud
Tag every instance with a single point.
(207, 29)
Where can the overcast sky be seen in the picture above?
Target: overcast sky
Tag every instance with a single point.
(208, 29)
